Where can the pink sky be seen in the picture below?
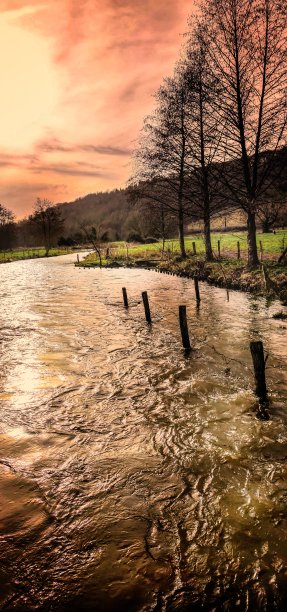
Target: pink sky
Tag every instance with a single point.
(77, 78)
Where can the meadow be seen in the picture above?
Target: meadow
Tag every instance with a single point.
(271, 245)
(31, 253)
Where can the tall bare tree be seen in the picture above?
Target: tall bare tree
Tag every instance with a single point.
(162, 159)
(47, 222)
(247, 52)
(204, 135)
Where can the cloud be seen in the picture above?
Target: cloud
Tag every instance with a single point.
(106, 150)
(107, 57)
(22, 194)
(36, 165)
(53, 145)
(72, 170)
(23, 188)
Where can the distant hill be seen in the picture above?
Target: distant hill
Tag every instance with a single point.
(108, 211)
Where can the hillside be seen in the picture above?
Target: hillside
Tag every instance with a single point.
(107, 211)
(110, 212)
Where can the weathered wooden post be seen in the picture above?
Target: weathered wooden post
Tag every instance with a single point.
(238, 250)
(194, 248)
(146, 306)
(127, 251)
(78, 259)
(125, 297)
(196, 286)
(259, 363)
(261, 250)
(184, 328)
(218, 246)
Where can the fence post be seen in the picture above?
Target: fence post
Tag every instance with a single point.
(261, 250)
(259, 362)
(194, 248)
(146, 306)
(125, 297)
(218, 246)
(196, 286)
(238, 250)
(184, 328)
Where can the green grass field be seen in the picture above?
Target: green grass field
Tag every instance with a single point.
(272, 246)
(18, 254)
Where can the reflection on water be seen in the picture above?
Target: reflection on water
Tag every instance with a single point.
(132, 477)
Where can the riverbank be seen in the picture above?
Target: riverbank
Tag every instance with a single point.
(33, 253)
(268, 279)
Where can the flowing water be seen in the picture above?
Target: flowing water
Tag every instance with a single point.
(134, 477)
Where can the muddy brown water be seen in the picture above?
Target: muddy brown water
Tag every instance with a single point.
(133, 477)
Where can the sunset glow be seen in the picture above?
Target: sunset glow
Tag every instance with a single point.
(77, 79)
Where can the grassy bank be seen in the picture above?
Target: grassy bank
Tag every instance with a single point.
(272, 245)
(226, 271)
(17, 254)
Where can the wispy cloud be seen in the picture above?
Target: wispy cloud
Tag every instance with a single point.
(107, 57)
(72, 170)
(53, 145)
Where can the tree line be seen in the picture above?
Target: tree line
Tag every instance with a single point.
(216, 140)
(42, 228)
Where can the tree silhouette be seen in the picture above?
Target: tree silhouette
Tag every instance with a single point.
(47, 222)
(246, 48)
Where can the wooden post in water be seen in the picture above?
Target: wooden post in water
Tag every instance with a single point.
(259, 362)
(218, 246)
(146, 306)
(196, 286)
(194, 248)
(125, 297)
(184, 328)
(238, 250)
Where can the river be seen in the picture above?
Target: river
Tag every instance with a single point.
(134, 477)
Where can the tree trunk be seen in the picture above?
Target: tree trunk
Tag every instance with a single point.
(204, 179)
(253, 260)
(207, 238)
(181, 232)
(266, 226)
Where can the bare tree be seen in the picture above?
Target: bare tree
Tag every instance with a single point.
(93, 235)
(162, 158)
(204, 135)
(159, 221)
(47, 221)
(246, 46)
(6, 216)
(7, 227)
(269, 214)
